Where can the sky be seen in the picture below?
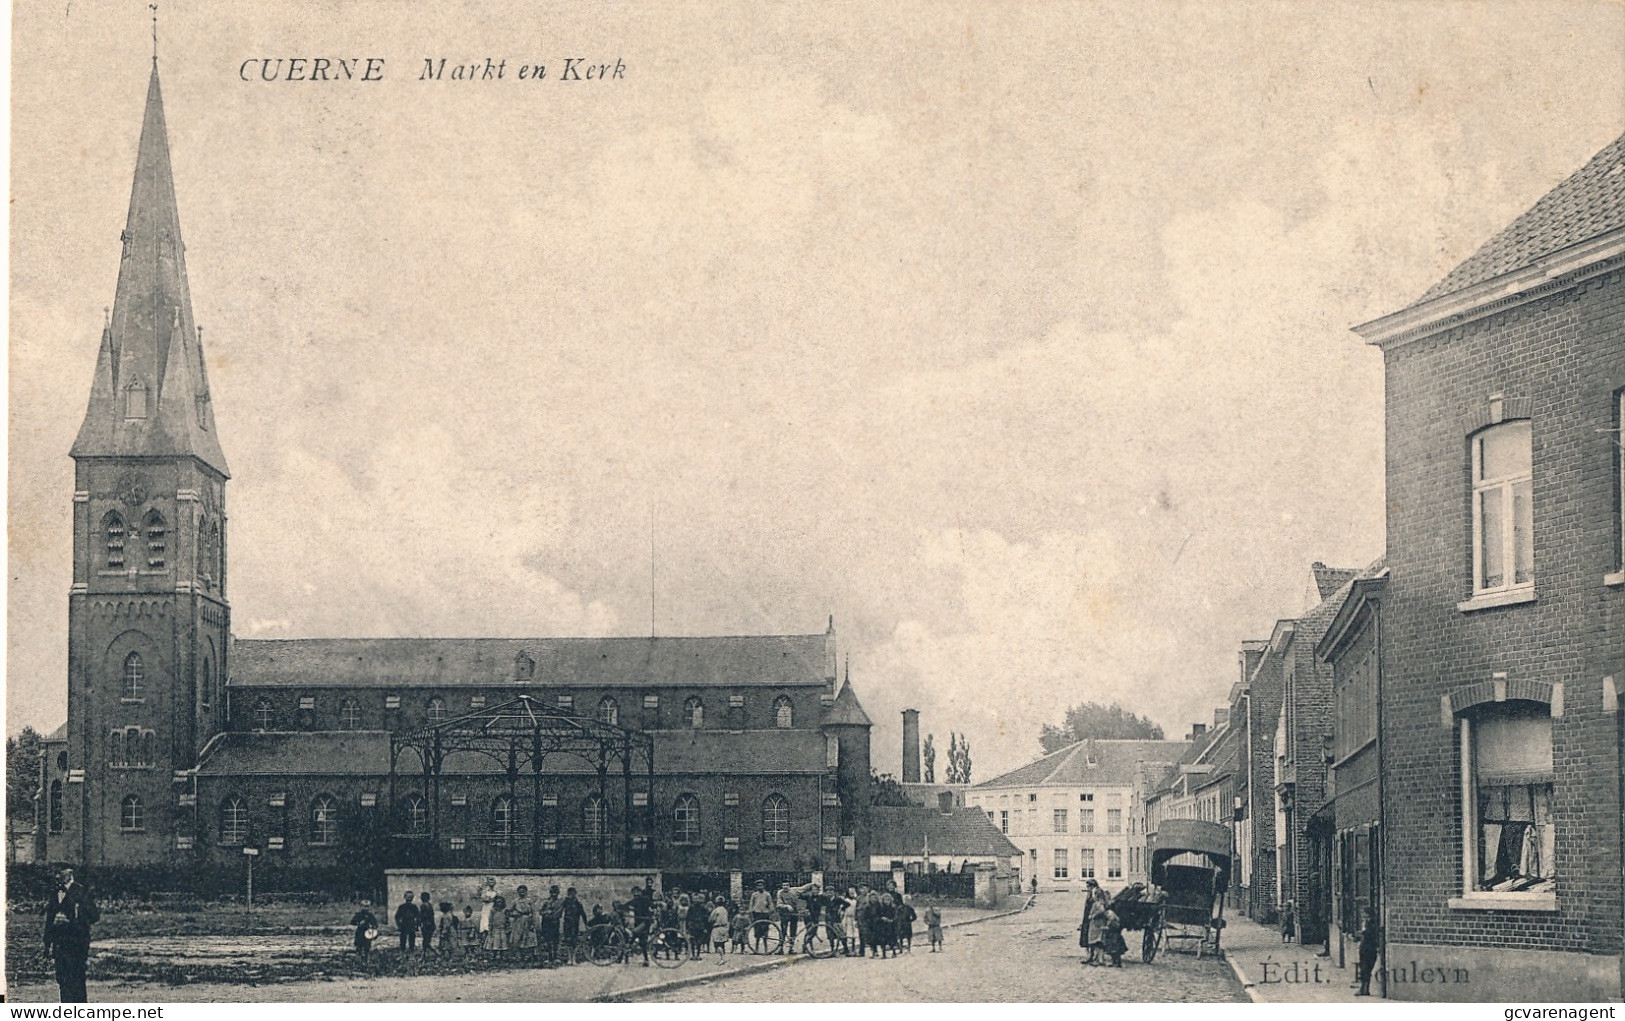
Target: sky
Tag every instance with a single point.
(1015, 337)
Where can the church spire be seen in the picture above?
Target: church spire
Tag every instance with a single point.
(150, 397)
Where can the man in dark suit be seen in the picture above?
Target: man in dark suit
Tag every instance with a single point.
(69, 914)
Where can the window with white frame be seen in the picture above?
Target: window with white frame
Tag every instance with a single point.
(1114, 820)
(1061, 871)
(1086, 863)
(132, 817)
(234, 821)
(437, 710)
(694, 713)
(783, 713)
(502, 815)
(324, 820)
(1507, 786)
(685, 820)
(1619, 464)
(1503, 508)
(350, 715)
(414, 814)
(1060, 820)
(1114, 863)
(1086, 820)
(135, 677)
(608, 711)
(1004, 822)
(775, 821)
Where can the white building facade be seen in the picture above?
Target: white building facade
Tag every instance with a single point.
(1077, 814)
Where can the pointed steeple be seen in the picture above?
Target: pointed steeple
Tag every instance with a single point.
(150, 396)
(846, 710)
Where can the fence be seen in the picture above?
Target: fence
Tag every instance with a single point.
(849, 880)
(693, 882)
(946, 885)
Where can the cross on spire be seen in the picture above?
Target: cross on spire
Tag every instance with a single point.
(154, 9)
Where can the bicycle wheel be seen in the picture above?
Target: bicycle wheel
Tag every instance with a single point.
(606, 944)
(669, 948)
(819, 942)
(765, 938)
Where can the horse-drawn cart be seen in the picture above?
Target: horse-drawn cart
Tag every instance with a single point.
(1190, 871)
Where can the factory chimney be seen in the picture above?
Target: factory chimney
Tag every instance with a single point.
(911, 746)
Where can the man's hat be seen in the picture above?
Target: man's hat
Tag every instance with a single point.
(760, 883)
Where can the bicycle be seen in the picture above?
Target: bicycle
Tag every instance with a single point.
(765, 938)
(670, 948)
(613, 943)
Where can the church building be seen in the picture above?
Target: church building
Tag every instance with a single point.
(184, 744)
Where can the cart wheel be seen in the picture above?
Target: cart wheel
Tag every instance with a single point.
(1149, 944)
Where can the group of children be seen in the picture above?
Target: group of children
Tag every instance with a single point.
(536, 929)
(863, 922)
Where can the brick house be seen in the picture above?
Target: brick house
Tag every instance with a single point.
(1354, 781)
(185, 745)
(1501, 626)
(1255, 707)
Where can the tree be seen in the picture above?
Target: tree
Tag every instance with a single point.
(23, 755)
(930, 755)
(885, 790)
(958, 758)
(1100, 721)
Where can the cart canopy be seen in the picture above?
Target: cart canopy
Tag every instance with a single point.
(1190, 843)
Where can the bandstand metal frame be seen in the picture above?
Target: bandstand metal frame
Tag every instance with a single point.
(519, 735)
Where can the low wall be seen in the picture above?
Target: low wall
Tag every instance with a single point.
(462, 886)
(1483, 974)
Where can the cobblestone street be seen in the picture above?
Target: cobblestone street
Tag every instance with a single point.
(1031, 956)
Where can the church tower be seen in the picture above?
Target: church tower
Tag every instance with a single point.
(148, 619)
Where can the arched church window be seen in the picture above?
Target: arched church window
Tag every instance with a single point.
(783, 713)
(609, 712)
(264, 715)
(115, 748)
(592, 812)
(208, 685)
(437, 710)
(135, 676)
(524, 668)
(157, 541)
(53, 807)
(694, 713)
(132, 818)
(414, 814)
(350, 715)
(113, 526)
(502, 815)
(324, 820)
(775, 821)
(233, 821)
(685, 820)
(148, 742)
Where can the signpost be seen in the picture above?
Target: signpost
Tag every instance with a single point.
(251, 853)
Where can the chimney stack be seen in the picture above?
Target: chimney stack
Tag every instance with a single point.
(911, 746)
(1197, 730)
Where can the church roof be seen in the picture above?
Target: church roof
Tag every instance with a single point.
(964, 832)
(150, 394)
(754, 660)
(1591, 202)
(1091, 763)
(846, 710)
(317, 753)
